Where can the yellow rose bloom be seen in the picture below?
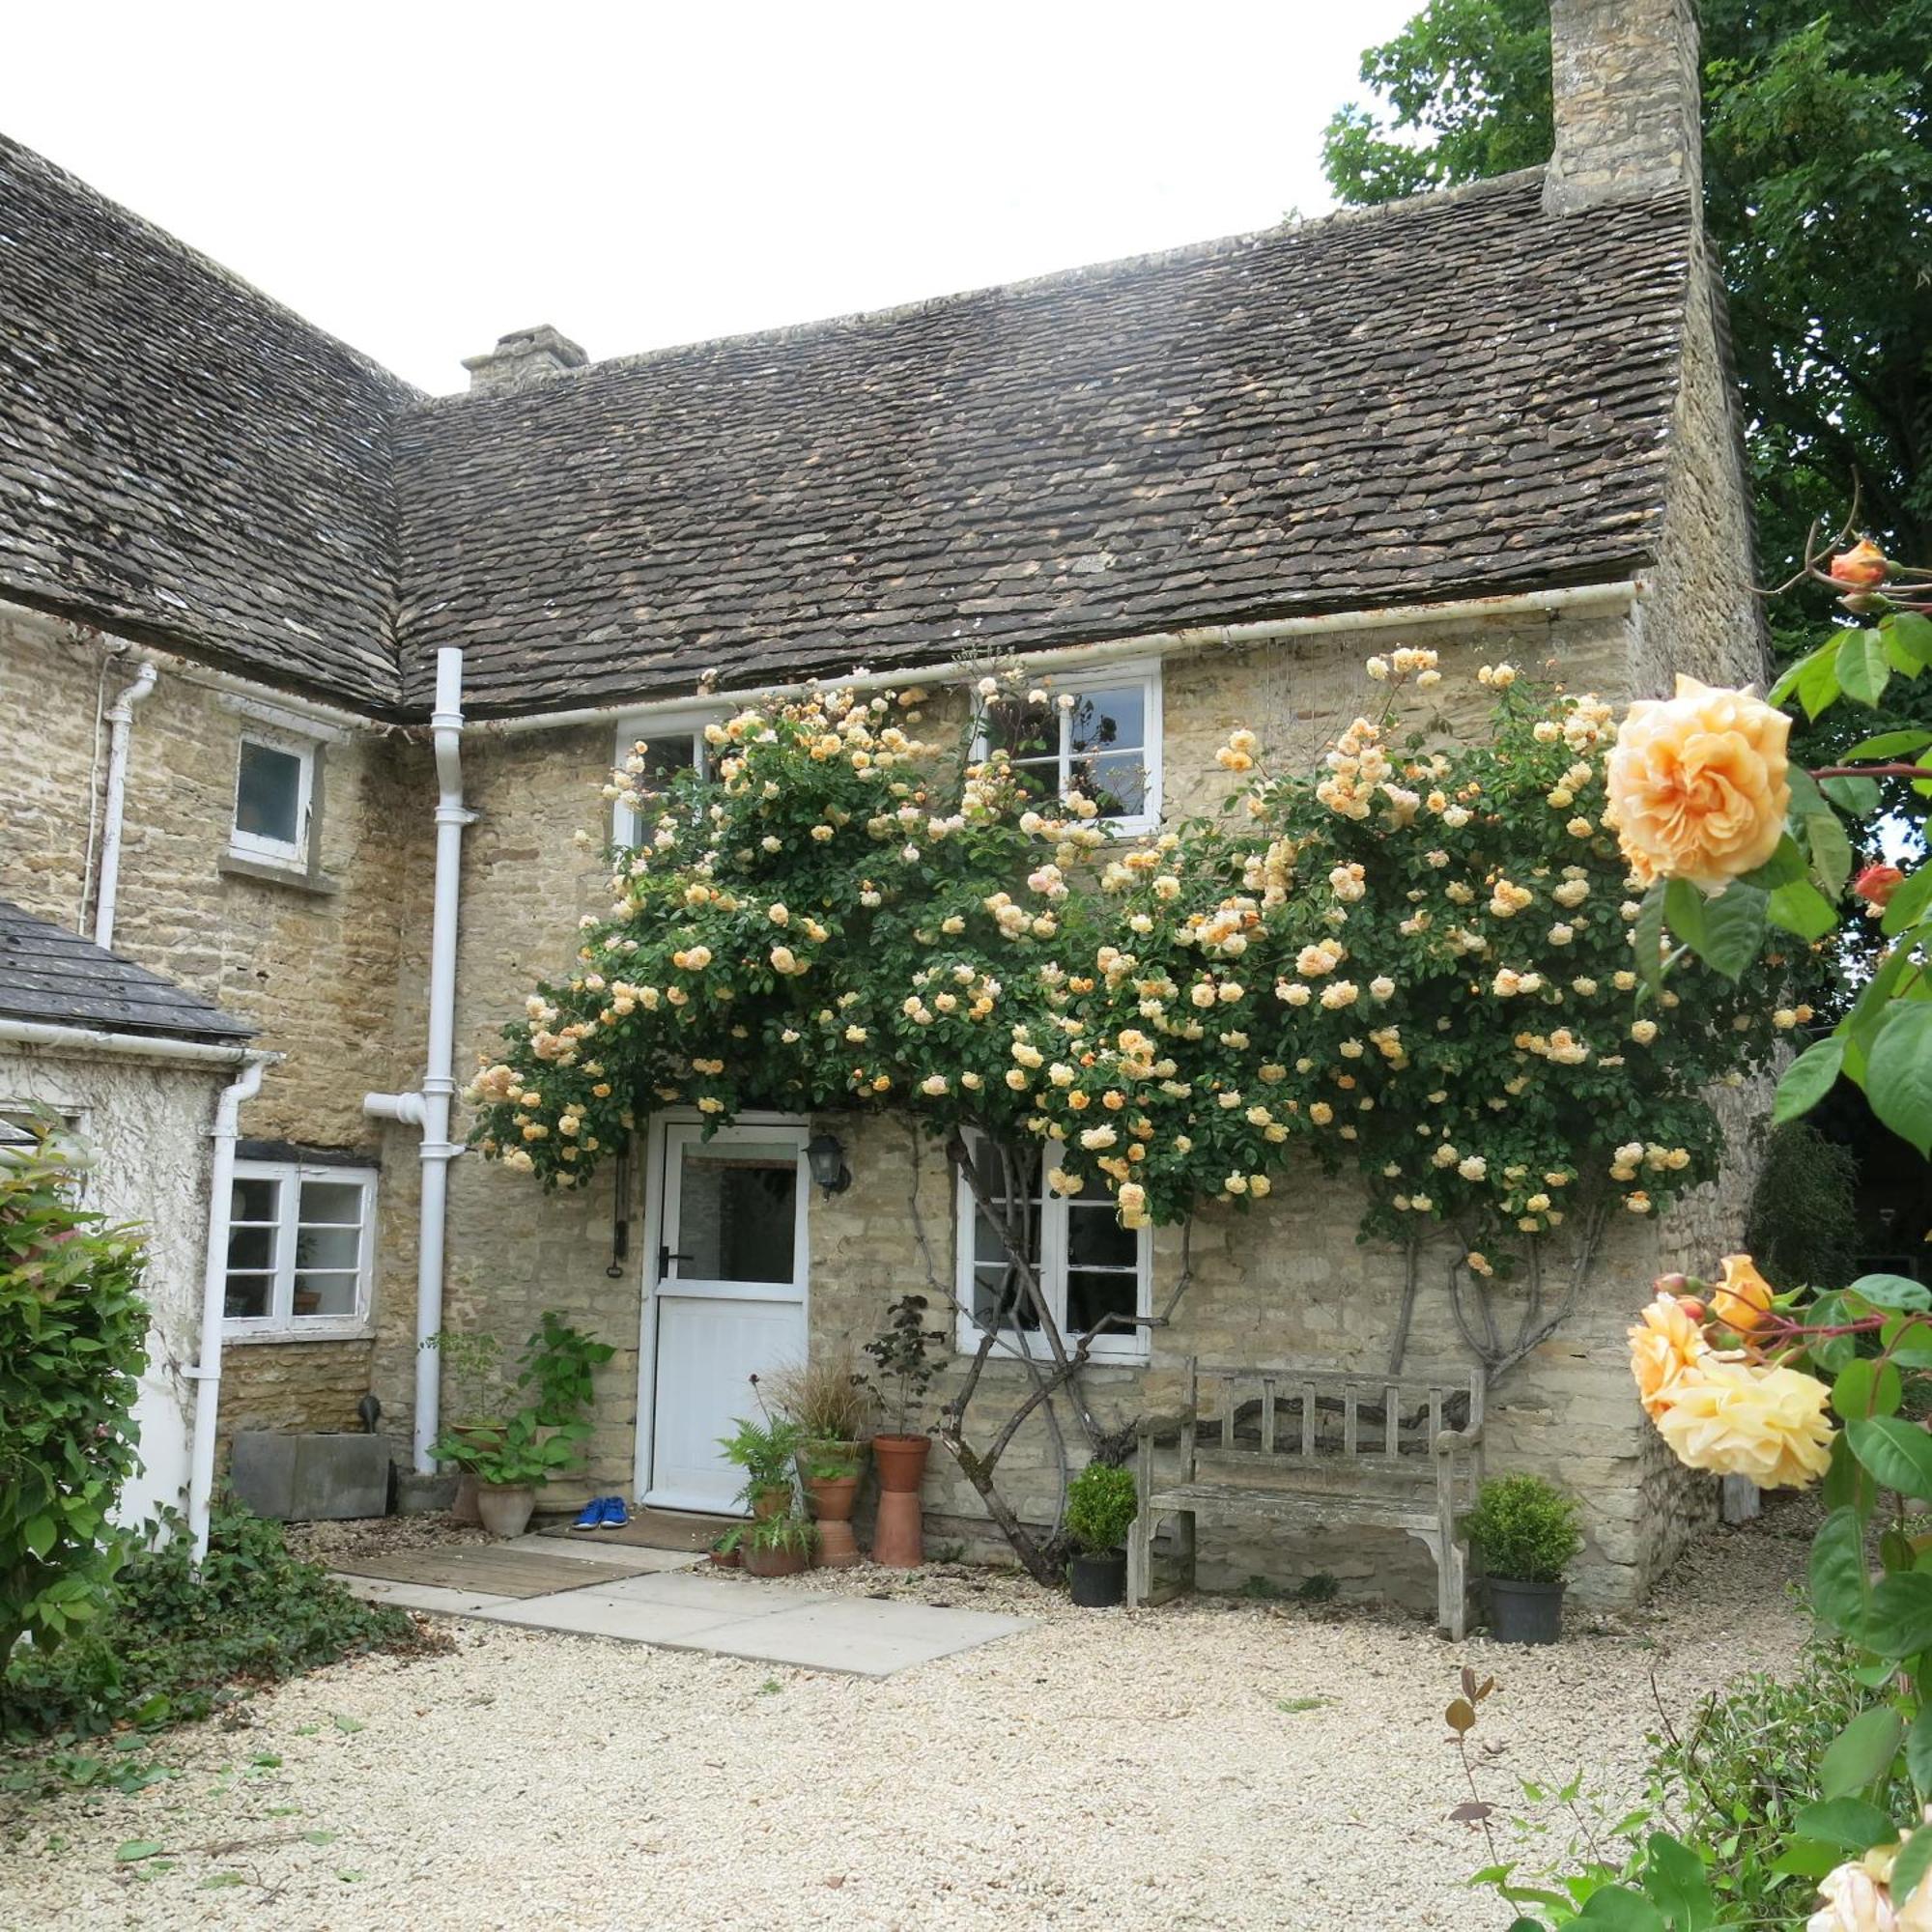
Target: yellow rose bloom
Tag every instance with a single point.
(1664, 1343)
(1742, 1419)
(1743, 1300)
(1697, 784)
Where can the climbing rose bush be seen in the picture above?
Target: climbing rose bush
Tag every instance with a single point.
(1417, 964)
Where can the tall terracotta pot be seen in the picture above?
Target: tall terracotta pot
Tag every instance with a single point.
(832, 1499)
(898, 1538)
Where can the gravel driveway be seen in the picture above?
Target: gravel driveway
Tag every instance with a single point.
(1159, 1770)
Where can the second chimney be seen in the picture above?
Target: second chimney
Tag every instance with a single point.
(522, 360)
(1625, 77)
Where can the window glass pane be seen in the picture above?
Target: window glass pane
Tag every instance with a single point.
(323, 1294)
(267, 793)
(998, 1302)
(737, 1212)
(666, 757)
(1089, 1296)
(338, 1203)
(328, 1247)
(1117, 785)
(1095, 1239)
(246, 1297)
(253, 1199)
(1023, 730)
(1108, 720)
(251, 1247)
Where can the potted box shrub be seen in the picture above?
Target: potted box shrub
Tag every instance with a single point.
(1525, 1534)
(831, 1406)
(1101, 1504)
(904, 1374)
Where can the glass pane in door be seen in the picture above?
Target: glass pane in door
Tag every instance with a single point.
(737, 1210)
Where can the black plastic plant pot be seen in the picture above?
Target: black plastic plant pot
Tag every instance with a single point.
(1099, 1582)
(1526, 1613)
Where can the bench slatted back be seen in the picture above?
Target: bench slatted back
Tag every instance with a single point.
(1289, 1418)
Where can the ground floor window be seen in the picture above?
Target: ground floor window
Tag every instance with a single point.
(1088, 1265)
(299, 1241)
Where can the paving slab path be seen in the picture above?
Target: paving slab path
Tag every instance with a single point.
(658, 1597)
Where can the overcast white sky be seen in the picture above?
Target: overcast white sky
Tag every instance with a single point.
(421, 177)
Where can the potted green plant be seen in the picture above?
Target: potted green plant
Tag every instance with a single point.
(904, 1374)
(511, 1457)
(1524, 1533)
(1102, 1503)
(777, 1540)
(477, 1395)
(832, 1406)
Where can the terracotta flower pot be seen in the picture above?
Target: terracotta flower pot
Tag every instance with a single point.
(832, 1499)
(899, 1540)
(773, 1562)
(507, 1508)
(726, 1559)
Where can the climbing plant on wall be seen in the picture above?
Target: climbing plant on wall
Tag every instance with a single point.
(1415, 964)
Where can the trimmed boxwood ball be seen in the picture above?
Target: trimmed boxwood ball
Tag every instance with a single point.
(1524, 1528)
(1102, 1503)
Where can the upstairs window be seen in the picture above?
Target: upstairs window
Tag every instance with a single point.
(1088, 1265)
(300, 1241)
(1098, 738)
(671, 747)
(274, 794)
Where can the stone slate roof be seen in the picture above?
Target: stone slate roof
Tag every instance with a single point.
(1457, 396)
(1453, 396)
(182, 458)
(50, 975)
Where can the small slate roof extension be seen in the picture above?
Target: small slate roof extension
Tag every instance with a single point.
(182, 459)
(53, 975)
(1459, 395)
(1453, 396)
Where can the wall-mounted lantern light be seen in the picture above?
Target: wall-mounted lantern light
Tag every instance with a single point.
(826, 1158)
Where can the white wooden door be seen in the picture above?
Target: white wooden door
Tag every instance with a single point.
(728, 1301)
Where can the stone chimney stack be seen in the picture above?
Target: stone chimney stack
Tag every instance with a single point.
(1625, 74)
(522, 360)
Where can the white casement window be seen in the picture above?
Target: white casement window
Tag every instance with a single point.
(275, 799)
(1088, 1265)
(300, 1250)
(671, 744)
(1104, 745)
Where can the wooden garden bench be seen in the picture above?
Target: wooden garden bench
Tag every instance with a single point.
(1317, 1449)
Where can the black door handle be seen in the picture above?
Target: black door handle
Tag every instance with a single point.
(665, 1258)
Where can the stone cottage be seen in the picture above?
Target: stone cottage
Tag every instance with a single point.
(388, 646)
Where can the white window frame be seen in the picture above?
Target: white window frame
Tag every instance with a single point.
(626, 826)
(281, 1323)
(1146, 673)
(1129, 1346)
(294, 855)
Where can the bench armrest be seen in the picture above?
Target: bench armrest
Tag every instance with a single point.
(1160, 1428)
(1456, 1441)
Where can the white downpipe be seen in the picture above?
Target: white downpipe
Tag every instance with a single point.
(206, 1375)
(121, 729)
(1573, 600)
(430, 1109)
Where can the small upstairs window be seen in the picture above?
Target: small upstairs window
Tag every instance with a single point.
(1098, 738)
(274, 793)
(673, 746)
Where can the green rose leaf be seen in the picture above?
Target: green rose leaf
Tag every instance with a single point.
(1840, 1586)
(1897, 1452)
(1899, 1622)
(1626, 1911)
(1888, 745)
(1849, 1822)
(1910, 632)
(1808, 1079)
(1861, 669)
(1725, 932)
(1911, 1867)
(1892, 1290)
(1898, 1074)
(1918, 1754)
(1861, 1753)
(1830, 850)
(1784, 867)
(1908, 903)
(1648, 938)
(1799, 907)
(1674, 1878)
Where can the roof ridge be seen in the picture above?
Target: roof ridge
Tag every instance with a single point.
(851, 320)
(204, 262)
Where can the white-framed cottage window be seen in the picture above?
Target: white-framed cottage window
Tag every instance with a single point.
(1105, 743)
(1088, 1265)
(275, 798)
(673, 744)
(300, 1250)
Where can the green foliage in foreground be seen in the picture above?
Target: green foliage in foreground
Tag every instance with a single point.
(169, 1649)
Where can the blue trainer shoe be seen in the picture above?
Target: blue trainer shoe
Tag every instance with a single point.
(616, 1515)
(592, 1515)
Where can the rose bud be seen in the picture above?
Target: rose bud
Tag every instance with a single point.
(1861, 566)
(1671, 1284)
(1876, 884)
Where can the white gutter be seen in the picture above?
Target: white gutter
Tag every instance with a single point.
(136, 1046)
(206, 1375)
(120, 724)
(1573, 601)
(430, 1108)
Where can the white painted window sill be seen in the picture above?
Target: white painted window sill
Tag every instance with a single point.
(276, 872)
(251, 1334)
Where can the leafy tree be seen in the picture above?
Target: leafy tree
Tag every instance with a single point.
(1818, 198)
